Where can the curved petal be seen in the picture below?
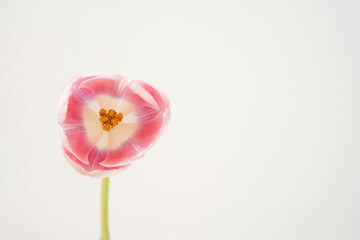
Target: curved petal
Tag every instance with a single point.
(159, 97)
(62, 104)
(105, 84)
(80, 134)
(98, 172)
(125, 154)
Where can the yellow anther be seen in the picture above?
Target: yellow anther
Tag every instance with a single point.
(110, 119)
(111, 112)
(102, 112)
(119, 116)
(113, 122)
(104, 119)
(107, 127)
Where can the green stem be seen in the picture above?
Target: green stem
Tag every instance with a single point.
(104, 209)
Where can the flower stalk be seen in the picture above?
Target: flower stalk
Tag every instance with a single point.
(104, 209)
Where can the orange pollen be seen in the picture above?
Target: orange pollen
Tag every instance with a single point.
(109, 119)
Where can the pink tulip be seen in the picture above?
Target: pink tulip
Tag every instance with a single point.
(108, 121)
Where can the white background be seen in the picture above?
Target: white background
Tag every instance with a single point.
(265, 130)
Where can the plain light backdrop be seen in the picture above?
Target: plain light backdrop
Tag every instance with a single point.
(265, 130)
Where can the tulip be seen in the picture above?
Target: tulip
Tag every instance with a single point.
(106, 122)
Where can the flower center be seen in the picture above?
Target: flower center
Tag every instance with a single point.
(109, 119)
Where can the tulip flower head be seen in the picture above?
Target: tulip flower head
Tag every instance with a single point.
(107, 121)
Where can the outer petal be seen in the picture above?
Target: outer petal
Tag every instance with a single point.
(74, 133)
(84, 169)
(68, 90)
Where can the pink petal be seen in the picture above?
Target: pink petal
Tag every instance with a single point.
(97, 171)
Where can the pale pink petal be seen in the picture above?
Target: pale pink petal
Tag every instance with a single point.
(99, 172)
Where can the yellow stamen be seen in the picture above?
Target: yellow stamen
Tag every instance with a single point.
(119, 116)
(110, 119)
(111, 112)
(102, 112)
(107, 127)
(114, 122)
(104, 119)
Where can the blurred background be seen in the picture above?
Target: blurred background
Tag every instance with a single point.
(264, 137)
